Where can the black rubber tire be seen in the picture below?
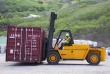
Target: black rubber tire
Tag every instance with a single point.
(90, 55)
(87, 60)
(53, 53)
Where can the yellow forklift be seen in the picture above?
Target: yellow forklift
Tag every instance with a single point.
(93, 55)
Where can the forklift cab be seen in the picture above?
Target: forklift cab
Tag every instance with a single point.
(59, 41)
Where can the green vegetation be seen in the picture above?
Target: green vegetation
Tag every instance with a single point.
(85, 18)
(12, 12)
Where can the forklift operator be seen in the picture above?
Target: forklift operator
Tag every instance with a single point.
(66, 41)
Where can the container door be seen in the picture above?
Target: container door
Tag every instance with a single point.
(31, 44)
(14, 43)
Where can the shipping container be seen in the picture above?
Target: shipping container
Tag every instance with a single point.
(25, 44)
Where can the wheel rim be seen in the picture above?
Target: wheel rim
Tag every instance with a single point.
(94, 58)
(53, 58)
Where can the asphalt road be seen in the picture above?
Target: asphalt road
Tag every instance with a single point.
(64, 67)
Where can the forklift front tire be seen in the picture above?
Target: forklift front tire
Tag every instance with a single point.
(53, 58)
(93, 58)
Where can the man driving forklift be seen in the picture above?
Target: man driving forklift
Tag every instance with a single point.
(66, 41)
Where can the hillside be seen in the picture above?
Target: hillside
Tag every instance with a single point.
(13, 11)
(87, 19)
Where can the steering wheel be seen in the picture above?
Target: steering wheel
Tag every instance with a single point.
(60, 41)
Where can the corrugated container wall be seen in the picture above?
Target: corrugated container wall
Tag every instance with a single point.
(25, 44)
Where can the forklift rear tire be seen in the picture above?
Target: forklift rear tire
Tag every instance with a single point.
(53, 58)
(93, 58)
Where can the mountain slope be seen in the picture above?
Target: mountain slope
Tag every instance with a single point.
(87, 19)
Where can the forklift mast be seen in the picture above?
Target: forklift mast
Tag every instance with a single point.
(51, 31)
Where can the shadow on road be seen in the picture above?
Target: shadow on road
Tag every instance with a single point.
(44, 64)
(26, 64)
